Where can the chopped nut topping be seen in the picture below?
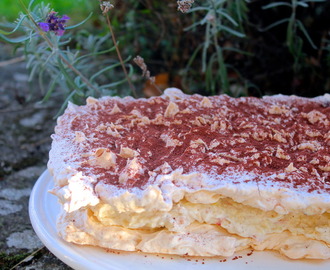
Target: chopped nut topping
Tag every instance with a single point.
(170, 141)
(290, 168)
(80, 136)
(325, 168)
(136, 113)
(206, 103)
(220, 161)
(199, 121)
(115, 109)
(132, 168)
(315, 116)
(197, 143)
(278, 137)
(126, 152)
(312, 133)
(255, 156)
(303, 169)
(259, 135)
(91, 100)
(301, 158)
(103, 158)
(171, 110)
(113, 132)
(223, 125)
(214, 143)
(313, 145)
(214, 126)
(257, 163)
(186, 111)
(231, 157)
(165, 168)
(315, 161)
(277, 110)
(281, 154)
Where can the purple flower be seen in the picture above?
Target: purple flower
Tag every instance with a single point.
(54, 23)
(44, 26)
(65, 18)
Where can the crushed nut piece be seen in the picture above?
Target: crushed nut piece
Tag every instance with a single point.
(277, 110)
(80, 136)
(220, 161)
(290, 168)
(103, 158)
(115, 109)
(126, 152)
(281, 154)
(206, 103)
(171, 110)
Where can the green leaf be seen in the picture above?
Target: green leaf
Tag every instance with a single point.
(206, 46)
(303, 29)
(82, 22)
(232, 49)
(114, 84)
(290, 35)
(50, 89)
(65, 103)
(227, 16)
(231, 31)
(302, 4)
(17, 39)
(210, 81)
(95, 53)
(193, 56)
(274, 24)
(18, 24)
(66, 75)
(313, 1)
(30, 4)
(193, 25)
(276, 4)
(106, 69)
(222, 70)
(198, 9)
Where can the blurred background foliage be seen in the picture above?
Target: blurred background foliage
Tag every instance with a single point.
(240, 48)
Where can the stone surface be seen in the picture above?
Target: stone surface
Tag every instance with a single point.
(25, 129)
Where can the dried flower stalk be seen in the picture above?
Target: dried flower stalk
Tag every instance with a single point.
(106, 6)
(185, 5)
(139, 61)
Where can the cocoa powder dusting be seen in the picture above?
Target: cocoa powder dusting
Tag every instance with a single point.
(284, 136)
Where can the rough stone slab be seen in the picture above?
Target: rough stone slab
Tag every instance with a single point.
(25, 130)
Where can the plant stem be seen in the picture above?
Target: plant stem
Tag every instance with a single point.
(221, 62)
(119, 56)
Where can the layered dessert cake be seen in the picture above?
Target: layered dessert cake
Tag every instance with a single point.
(193, 175)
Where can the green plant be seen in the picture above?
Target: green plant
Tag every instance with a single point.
(50, 60)
(221, 20)
(295, 28)
(215, 46)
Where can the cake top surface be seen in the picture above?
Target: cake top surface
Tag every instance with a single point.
(127, 143)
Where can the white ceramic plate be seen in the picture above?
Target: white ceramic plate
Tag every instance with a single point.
(43, 209)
